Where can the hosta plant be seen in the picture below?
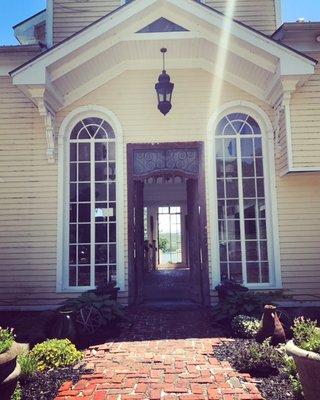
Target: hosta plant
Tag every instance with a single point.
(244, 326)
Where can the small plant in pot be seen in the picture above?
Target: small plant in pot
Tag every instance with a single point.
(9, 368)
(305, 350)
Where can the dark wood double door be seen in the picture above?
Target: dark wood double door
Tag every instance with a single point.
(168, 160)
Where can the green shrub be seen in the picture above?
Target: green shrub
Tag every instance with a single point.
(306, 335)
(17, 395)
(290, 369)
(6, 339)
(257, 359)
(245, 327)
(28, 364)
(55, 353)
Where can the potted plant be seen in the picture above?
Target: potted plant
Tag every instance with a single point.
(305, 350)
(9, 368)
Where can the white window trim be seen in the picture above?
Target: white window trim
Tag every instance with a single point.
(263, 120)
(63, 225)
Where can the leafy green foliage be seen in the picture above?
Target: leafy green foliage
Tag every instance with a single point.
(258, 359)
(244, 326)
(109, 309)
(235, 299)
(290, 369)
(17, 395)
(28, 364)
(55, 353)
(6, 339)
(306, 334)
(163, 244)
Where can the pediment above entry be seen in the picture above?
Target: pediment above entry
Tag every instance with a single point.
(130, 39)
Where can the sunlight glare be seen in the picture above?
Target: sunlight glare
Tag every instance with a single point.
(222, 55)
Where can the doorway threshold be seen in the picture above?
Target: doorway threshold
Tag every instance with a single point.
(171, 305)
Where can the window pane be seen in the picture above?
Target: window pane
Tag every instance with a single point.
(223, 252)
(84, 233)
(233, 227)
(248, 167)
(101, 275)
(101, 191)
(101, 233)
(84, 213)
(112, 233)
(72, 254)
(232, 188)
(236, 272)
(250, 229)
(253, 273)
(84, 276)
(246, 147)
(84, 172)
(84, 151)
(73, 213)
(249, 188)
(101, 254)
(73, 276)
(84, 254)
(250, 208)
(252, 251)
(231, 168)
(73, 152)
(234, 250)
(101, 151)
(84, 191)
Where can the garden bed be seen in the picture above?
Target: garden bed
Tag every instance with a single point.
(45, 386)
(274, 387)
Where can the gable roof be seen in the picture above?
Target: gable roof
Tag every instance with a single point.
(112, 44)
(119, 9)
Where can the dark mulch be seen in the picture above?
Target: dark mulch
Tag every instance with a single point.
(275, 387)
(45, 386)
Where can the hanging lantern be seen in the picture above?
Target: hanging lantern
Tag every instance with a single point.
(164, 88)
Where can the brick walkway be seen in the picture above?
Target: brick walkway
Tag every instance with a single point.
(167, 355)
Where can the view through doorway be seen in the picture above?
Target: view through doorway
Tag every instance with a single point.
(167, 243)
(166, 272)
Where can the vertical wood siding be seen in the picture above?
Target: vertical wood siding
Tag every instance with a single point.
(69, 16)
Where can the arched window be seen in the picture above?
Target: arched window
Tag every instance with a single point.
(92, 204)
(242, 207)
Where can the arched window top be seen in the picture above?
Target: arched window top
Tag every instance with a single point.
(238, 124)
(92, 128)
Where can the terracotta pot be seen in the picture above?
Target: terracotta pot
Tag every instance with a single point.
(9, 371)
(308, 366)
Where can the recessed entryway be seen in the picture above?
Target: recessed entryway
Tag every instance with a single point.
(166, 223)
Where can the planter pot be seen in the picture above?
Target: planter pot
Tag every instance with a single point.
(308, 366)
(62, 326)
(9, 371)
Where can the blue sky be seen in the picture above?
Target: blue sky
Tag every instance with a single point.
(14, 11)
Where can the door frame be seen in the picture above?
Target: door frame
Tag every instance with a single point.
(132, 177)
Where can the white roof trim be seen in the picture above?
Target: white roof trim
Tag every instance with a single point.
(290, 61)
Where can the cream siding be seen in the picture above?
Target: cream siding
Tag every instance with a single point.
(305, 123)
(258, 14)
(69, 16)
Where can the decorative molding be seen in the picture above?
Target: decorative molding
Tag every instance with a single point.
(49, 124)
(148, 161)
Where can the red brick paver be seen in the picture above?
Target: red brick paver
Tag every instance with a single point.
(167, 355)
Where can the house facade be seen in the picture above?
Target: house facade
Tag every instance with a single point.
(98, 185)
